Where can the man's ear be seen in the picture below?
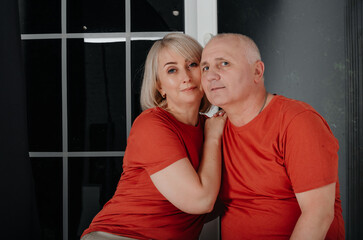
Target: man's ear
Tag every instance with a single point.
(259, 70)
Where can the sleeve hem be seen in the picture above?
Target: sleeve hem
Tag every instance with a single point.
(315, 185)
(161, 166)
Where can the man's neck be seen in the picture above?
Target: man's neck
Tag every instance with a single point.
(243, 112)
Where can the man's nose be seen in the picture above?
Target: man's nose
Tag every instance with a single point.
(211, 75)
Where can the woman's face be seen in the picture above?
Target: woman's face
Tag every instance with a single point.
(179, 80)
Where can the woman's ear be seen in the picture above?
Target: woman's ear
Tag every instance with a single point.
(162, 92)
(160, 89)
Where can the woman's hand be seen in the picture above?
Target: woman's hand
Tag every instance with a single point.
(214, 126)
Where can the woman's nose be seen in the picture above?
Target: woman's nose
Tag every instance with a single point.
(187, 76)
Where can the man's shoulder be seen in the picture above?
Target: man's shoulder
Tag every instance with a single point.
(287, 109)
(292, 106)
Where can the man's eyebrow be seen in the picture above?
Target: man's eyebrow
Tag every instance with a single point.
(216, 59)
(220, 58)
(203, 63)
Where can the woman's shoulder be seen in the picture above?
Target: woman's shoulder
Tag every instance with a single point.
(151, 118)
(151, 113)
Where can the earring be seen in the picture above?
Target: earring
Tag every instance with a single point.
(163, 95)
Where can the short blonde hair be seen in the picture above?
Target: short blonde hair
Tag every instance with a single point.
(251, 51)
(180, 43)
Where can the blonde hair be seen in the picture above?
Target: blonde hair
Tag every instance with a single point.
(180, 43)
(251, 51)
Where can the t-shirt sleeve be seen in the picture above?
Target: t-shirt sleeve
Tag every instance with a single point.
(154, 143)
(311, 156)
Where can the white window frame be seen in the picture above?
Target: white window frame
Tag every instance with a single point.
(200, 19)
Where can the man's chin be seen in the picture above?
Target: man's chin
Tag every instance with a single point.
(217, 103)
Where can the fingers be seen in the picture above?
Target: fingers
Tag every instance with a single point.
(219, 113)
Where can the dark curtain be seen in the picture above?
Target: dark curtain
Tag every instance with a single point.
(354, 129)
(17, 202)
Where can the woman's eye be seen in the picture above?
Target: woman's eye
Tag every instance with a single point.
(172, 70)
(224, 63)
(193, 64)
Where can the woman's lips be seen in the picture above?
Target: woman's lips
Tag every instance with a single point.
(188, 89)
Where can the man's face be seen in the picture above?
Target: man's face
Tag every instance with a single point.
(227, 77)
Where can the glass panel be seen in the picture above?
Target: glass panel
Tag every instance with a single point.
(92, 182)
(156, 15)
(139, 51)
(96, 96)
(43, 76)
(47, 173)
(95, 16)
(40, 16)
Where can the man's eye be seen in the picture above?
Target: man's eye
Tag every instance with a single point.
(205, 68)
(193, 64)
(172, 70)
(224, 63)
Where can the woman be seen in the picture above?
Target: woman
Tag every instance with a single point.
(170, 178)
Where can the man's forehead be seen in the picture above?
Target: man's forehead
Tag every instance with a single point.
(216, 53)
(228, 40)
(224, 43)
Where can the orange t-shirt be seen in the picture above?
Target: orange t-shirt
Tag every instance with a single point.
(288, 148)
(137, 209)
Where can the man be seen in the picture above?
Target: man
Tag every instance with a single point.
(280, 177)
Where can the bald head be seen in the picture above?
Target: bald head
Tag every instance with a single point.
(232, 76)
(248, 46)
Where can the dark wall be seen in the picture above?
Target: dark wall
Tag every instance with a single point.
(302, 46)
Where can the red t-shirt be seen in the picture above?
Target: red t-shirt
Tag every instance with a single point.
(288, 148)
(137, 209)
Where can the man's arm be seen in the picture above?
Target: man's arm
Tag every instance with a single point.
(317, 213)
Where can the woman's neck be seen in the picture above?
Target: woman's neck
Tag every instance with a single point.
(189, 116)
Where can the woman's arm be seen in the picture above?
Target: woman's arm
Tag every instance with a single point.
(190, 191)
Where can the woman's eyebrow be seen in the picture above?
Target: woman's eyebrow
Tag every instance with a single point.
(169, 63)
